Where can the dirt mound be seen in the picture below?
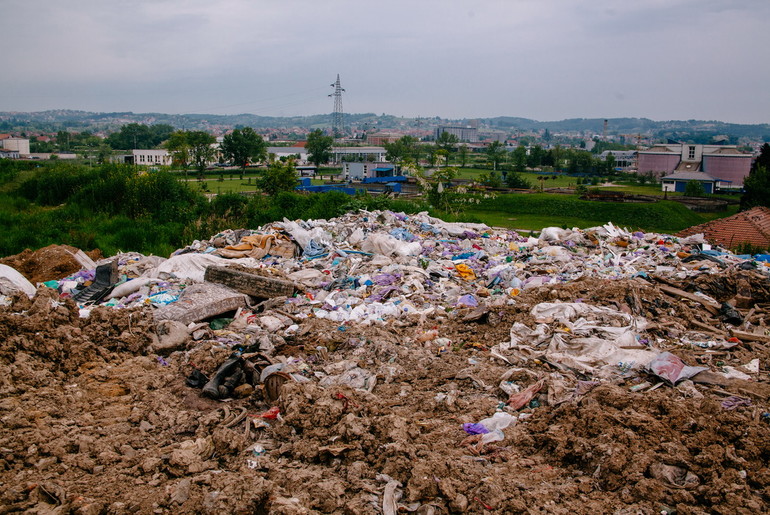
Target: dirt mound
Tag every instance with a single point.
(374, 420)
(48, 263)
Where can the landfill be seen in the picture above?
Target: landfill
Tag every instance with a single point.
(389, 363)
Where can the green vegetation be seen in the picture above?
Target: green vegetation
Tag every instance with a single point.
(115, 208)
(243, 146)
(135, 135)
(757, 184)
(319, 147)
(119, 208)
(694, 189)
(278, 177)
(538, 210)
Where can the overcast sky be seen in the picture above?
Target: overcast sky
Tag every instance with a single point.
(541, 59)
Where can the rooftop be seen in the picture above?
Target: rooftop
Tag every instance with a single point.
(690, 176)
(752, 226)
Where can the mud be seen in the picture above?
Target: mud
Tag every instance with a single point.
(51, 262)
(93, 422)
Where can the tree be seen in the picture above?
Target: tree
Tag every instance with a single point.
(694, 189)
(496, 153)
(319, 147)
(756, 186)
(201, 151)
(763, 159)
(442, 153)
(63, 140)
(103, 153)
(609, 164)
(462, 152)
(179, 149)
(491, 180)
(519, 157)
(243, 146)
(401, 150)
(432, 155)
(438, 187)
(515, 180)
(556, 154)
(135, 135)
(446, 142)
(535, 157)
(279, 176)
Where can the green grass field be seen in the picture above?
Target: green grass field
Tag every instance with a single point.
(535, 211)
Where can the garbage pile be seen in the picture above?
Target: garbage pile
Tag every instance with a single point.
(393, 361)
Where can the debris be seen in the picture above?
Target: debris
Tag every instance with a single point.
(734, 402)
(201, 301)
(250, 284)
(318, 398)
(671, 368)
(11, 281)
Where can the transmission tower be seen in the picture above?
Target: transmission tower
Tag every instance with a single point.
(337, 118)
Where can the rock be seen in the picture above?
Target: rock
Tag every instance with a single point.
(181, 491)
(172, 336)
(243, 391)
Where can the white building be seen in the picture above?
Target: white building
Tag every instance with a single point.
(9, 154)
(360, 171)
(151, 157)
(623, 158)
(466, 134)
(20, 145)
(280, 152)
(358, 154)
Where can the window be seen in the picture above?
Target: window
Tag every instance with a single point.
(691, 153)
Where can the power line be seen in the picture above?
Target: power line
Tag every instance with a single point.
(337, 117)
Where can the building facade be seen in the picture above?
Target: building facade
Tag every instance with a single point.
(9, 154)
(624, 159)
(380, 138)
(466, 134)
(20, 145)
(358, 154)
(725, 162)
(151, 157)
(678, 182)
(293, 152)
(365, 170)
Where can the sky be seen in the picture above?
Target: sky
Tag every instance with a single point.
(541, 59)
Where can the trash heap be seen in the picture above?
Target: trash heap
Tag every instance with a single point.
(374, 350)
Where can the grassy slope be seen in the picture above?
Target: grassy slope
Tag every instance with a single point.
(535, 211)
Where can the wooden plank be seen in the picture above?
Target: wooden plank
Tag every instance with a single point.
(749, 337)
(251, 284)
(706, 327)
(712, 307)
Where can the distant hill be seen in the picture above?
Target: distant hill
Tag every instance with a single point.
(633, 125)
(55, 120)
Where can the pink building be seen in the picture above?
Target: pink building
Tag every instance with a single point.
(724, 162)
(729, 164)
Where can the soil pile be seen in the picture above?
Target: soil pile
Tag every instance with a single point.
(385, 363)
(51, 262)
(95, 422)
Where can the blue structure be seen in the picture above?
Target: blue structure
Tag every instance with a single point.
(329, 187)
(374, 180)
(678, 181)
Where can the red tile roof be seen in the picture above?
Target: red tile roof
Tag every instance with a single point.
(752, 226)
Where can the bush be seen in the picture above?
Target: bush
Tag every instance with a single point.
(694, 189)
(515, 180)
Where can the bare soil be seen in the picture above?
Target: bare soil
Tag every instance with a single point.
(92, 422)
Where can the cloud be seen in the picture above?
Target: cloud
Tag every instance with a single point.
(542, 59)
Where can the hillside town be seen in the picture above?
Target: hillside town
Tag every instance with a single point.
(718, 165)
